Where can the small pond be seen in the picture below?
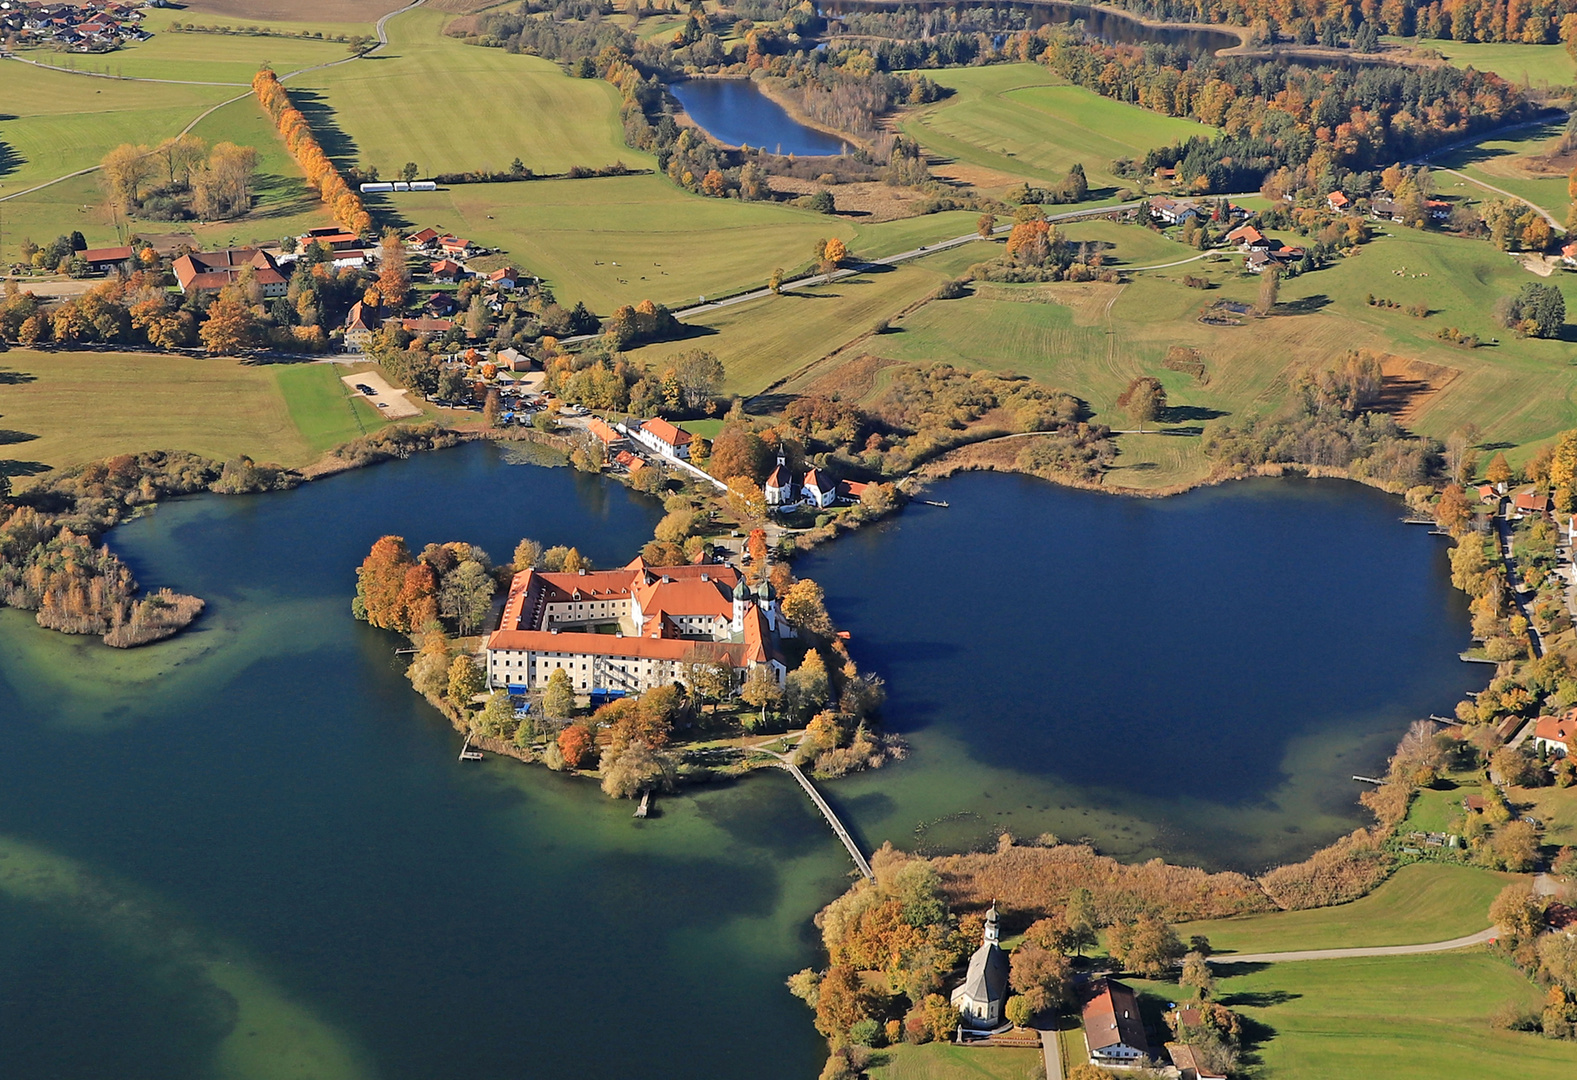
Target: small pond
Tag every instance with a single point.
(736, 112)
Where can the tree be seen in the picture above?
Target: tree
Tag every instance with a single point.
(466, 595)
(761, 689)
(465, 681)
(1144, 399)
(528, 554)
(805, 606)
(1146, 946)
(808, 685)
(230, 326)
(842, 1000)
(746, 501)
(1269, 289)
(1451, 511)
(756, 546)
(125, 169)
(1516, 845)
(1042, 975)
(497, 717)
(1558, 958)
(1018, 1011)
(380, 580)
(986, 226)
(700, 377)
(738, 451)
(408, 171)
(1499, 470)
(1196, 975)
(1537, 310)
(1518, 912)
(635, 769)
(575, 743)
(492, 408)
(558, 697)
(394, 275)
(775, 281)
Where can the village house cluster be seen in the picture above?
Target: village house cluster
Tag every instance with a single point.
(635, 628)
(86, 27)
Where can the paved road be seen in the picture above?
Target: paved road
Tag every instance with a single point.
(1051, 1049)
(1479, 938)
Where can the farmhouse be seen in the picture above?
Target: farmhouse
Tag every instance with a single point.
(1385, 209)
(1248, 238)
(1555, 734)
(605, 434)
(453, 245)
(447, 271)
(103, 260)
(979, 998)
(423, 240)
(1529, 503)
(1338, 202)
(1569, 254)
(634, 628)
(1113, 1031)
(1174, 211)
(1187, 1063)
(505, 277)
(426, 326)
(210, 271)
(665, 438)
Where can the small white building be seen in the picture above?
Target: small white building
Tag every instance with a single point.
(819, 489)
(980, 997)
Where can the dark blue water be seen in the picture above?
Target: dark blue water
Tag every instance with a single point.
(736, 112)
(250, 852)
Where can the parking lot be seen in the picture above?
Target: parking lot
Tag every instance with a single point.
(390, 402)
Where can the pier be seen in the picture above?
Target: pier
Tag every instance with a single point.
(786, 761)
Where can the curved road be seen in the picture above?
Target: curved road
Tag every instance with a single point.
(1480, 938)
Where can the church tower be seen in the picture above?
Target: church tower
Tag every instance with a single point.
(741, 605)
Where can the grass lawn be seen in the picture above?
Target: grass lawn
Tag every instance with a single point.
(1507, 164)
(1017, 123)
(1556, 809)
(706, 429)
(321, 406)
(1421, 902)
(1439, 810)
(942, 1061)
(1525, 65)
(1399, 1017)
(81, 406)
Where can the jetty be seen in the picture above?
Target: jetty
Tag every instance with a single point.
(467, 754)
(786, 761)
(646, 805)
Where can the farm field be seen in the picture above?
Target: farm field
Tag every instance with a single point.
(221, 57)
(1423, 1017)
(1526, 65)
(1420, 903)
(1503, 163)
(323, 11)
(1016, 122)
(493, 107)
(53, 123)
(83, 406)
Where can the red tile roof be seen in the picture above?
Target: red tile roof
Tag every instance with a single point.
(668, 433)
(104, 255)
(427, 326)
(1111, 1016)
(1560, 729)
(603, 431)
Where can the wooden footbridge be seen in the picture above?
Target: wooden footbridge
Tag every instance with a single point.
(786, 761)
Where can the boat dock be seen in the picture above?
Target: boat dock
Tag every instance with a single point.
(646, 805)
(467, 754)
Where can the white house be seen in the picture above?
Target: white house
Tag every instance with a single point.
(779, 488)
(819, 489)
(1555, 734)
(1113, 1030)
(980, 997)
(664, 437)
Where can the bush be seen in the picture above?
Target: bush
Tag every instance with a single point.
(867, 1033)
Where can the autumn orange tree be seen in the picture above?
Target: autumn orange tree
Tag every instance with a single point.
(344, 203)
(230, 326)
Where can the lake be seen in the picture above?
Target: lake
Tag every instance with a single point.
(249, 852)
(736, 112)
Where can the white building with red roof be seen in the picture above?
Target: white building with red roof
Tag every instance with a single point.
(1555, 735)
(1113, 1030)
(634, 628)
(779, 488)
(665, 438)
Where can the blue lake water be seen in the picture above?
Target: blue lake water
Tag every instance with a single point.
(736, 112)
(249, 853)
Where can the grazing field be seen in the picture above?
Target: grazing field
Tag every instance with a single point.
(323, 411)
(1400, 1017)
(53, 123)
(322, 11)
(61, 409)
(219, 57)
(1537, 66)
(942, 1061)
(1420, 903)
(1015, 122)
(1510, 164)
(452, 107)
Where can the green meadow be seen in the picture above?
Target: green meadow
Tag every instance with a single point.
(1419, 903)
(1537, 66)
(1504, 163)
(1019, 122)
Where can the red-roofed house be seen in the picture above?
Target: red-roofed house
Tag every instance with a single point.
(1555, 734)
(633, 628)
(361, 322)
(426, 326)
(819, 489)
(632, 463)
(779, 488)
(1526, 503)
(1569, 254)
(505, 277)
(447, 271)
(453, 245)
(1338, 202)
(424, 239)
(851, 490)
(1113, 1030)
(665, 438)
(105, 259)
(1248, 238)
(603, 432)
(1188, 1066)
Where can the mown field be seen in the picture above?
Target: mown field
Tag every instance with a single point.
(1420, 903)
(941, 1061)
(223, 57)
(1015, 122)
(65, 408)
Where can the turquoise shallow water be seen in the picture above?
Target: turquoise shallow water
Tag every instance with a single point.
(250, 851)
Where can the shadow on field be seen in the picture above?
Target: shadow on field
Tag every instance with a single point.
(11, 377)
(1178, 414)
(22, 468)
(10, 436)
(289, 195)
(10, 160)
(338, 145)
(1306, 306)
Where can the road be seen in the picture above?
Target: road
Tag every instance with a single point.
(1480, 938)
(1553, 116)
